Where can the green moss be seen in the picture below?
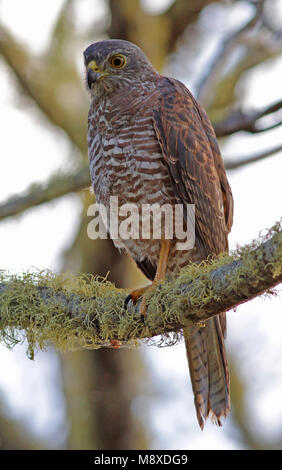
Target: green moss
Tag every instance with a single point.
(165, 302)
(42, 307)
(87, 311)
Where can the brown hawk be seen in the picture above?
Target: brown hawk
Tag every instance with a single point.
(151, 142)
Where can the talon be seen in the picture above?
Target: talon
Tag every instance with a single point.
(126, 301)
(134, 296)
(143, 308)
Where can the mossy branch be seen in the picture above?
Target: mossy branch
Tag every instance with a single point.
(88, 312)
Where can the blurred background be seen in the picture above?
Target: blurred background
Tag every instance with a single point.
(229, 54)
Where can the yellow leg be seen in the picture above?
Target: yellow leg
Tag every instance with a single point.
(161, 268)
(159, 277)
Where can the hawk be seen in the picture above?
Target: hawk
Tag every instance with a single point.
(150, 142)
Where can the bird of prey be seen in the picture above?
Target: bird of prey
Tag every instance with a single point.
(149, 141)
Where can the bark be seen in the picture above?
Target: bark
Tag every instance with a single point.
(238, 121)
(90, 313)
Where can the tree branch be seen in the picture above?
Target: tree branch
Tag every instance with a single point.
(251, 45)
(36, 194)
(181, 14)
(39, 77)
(156, 34)
(239, 121)
(222, 55)
(87, 312)
(62, 184)
(234, 163)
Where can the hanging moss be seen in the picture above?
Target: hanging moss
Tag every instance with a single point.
(88, 311)
(43, 306)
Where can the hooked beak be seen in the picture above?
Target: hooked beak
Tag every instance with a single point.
(92, 77)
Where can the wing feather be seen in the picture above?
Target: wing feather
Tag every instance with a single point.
(195, 165)
(197, 173)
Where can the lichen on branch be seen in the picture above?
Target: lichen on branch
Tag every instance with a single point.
(88, 312)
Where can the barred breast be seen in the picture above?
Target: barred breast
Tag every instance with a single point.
(126, 161)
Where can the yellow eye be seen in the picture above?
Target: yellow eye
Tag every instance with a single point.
(117, 61)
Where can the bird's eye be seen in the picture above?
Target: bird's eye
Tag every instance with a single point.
(117, 61)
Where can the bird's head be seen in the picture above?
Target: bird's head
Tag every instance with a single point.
(113, 64)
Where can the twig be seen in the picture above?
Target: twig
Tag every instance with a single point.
(223, 54)
(251, 45)
(33, 76)
(239, 121)
(233, 163)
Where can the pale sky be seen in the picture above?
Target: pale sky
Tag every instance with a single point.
(38, 237)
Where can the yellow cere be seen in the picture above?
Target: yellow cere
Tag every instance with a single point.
(93, 66)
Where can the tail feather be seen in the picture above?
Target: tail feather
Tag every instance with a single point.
(208, 370)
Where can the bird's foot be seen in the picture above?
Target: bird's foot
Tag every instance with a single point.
(136, 294)
(159, 277)
(143, 306)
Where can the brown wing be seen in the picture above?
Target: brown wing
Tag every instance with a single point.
(198, 176)
(196, 168)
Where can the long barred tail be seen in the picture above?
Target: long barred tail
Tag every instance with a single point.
(208, 369)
